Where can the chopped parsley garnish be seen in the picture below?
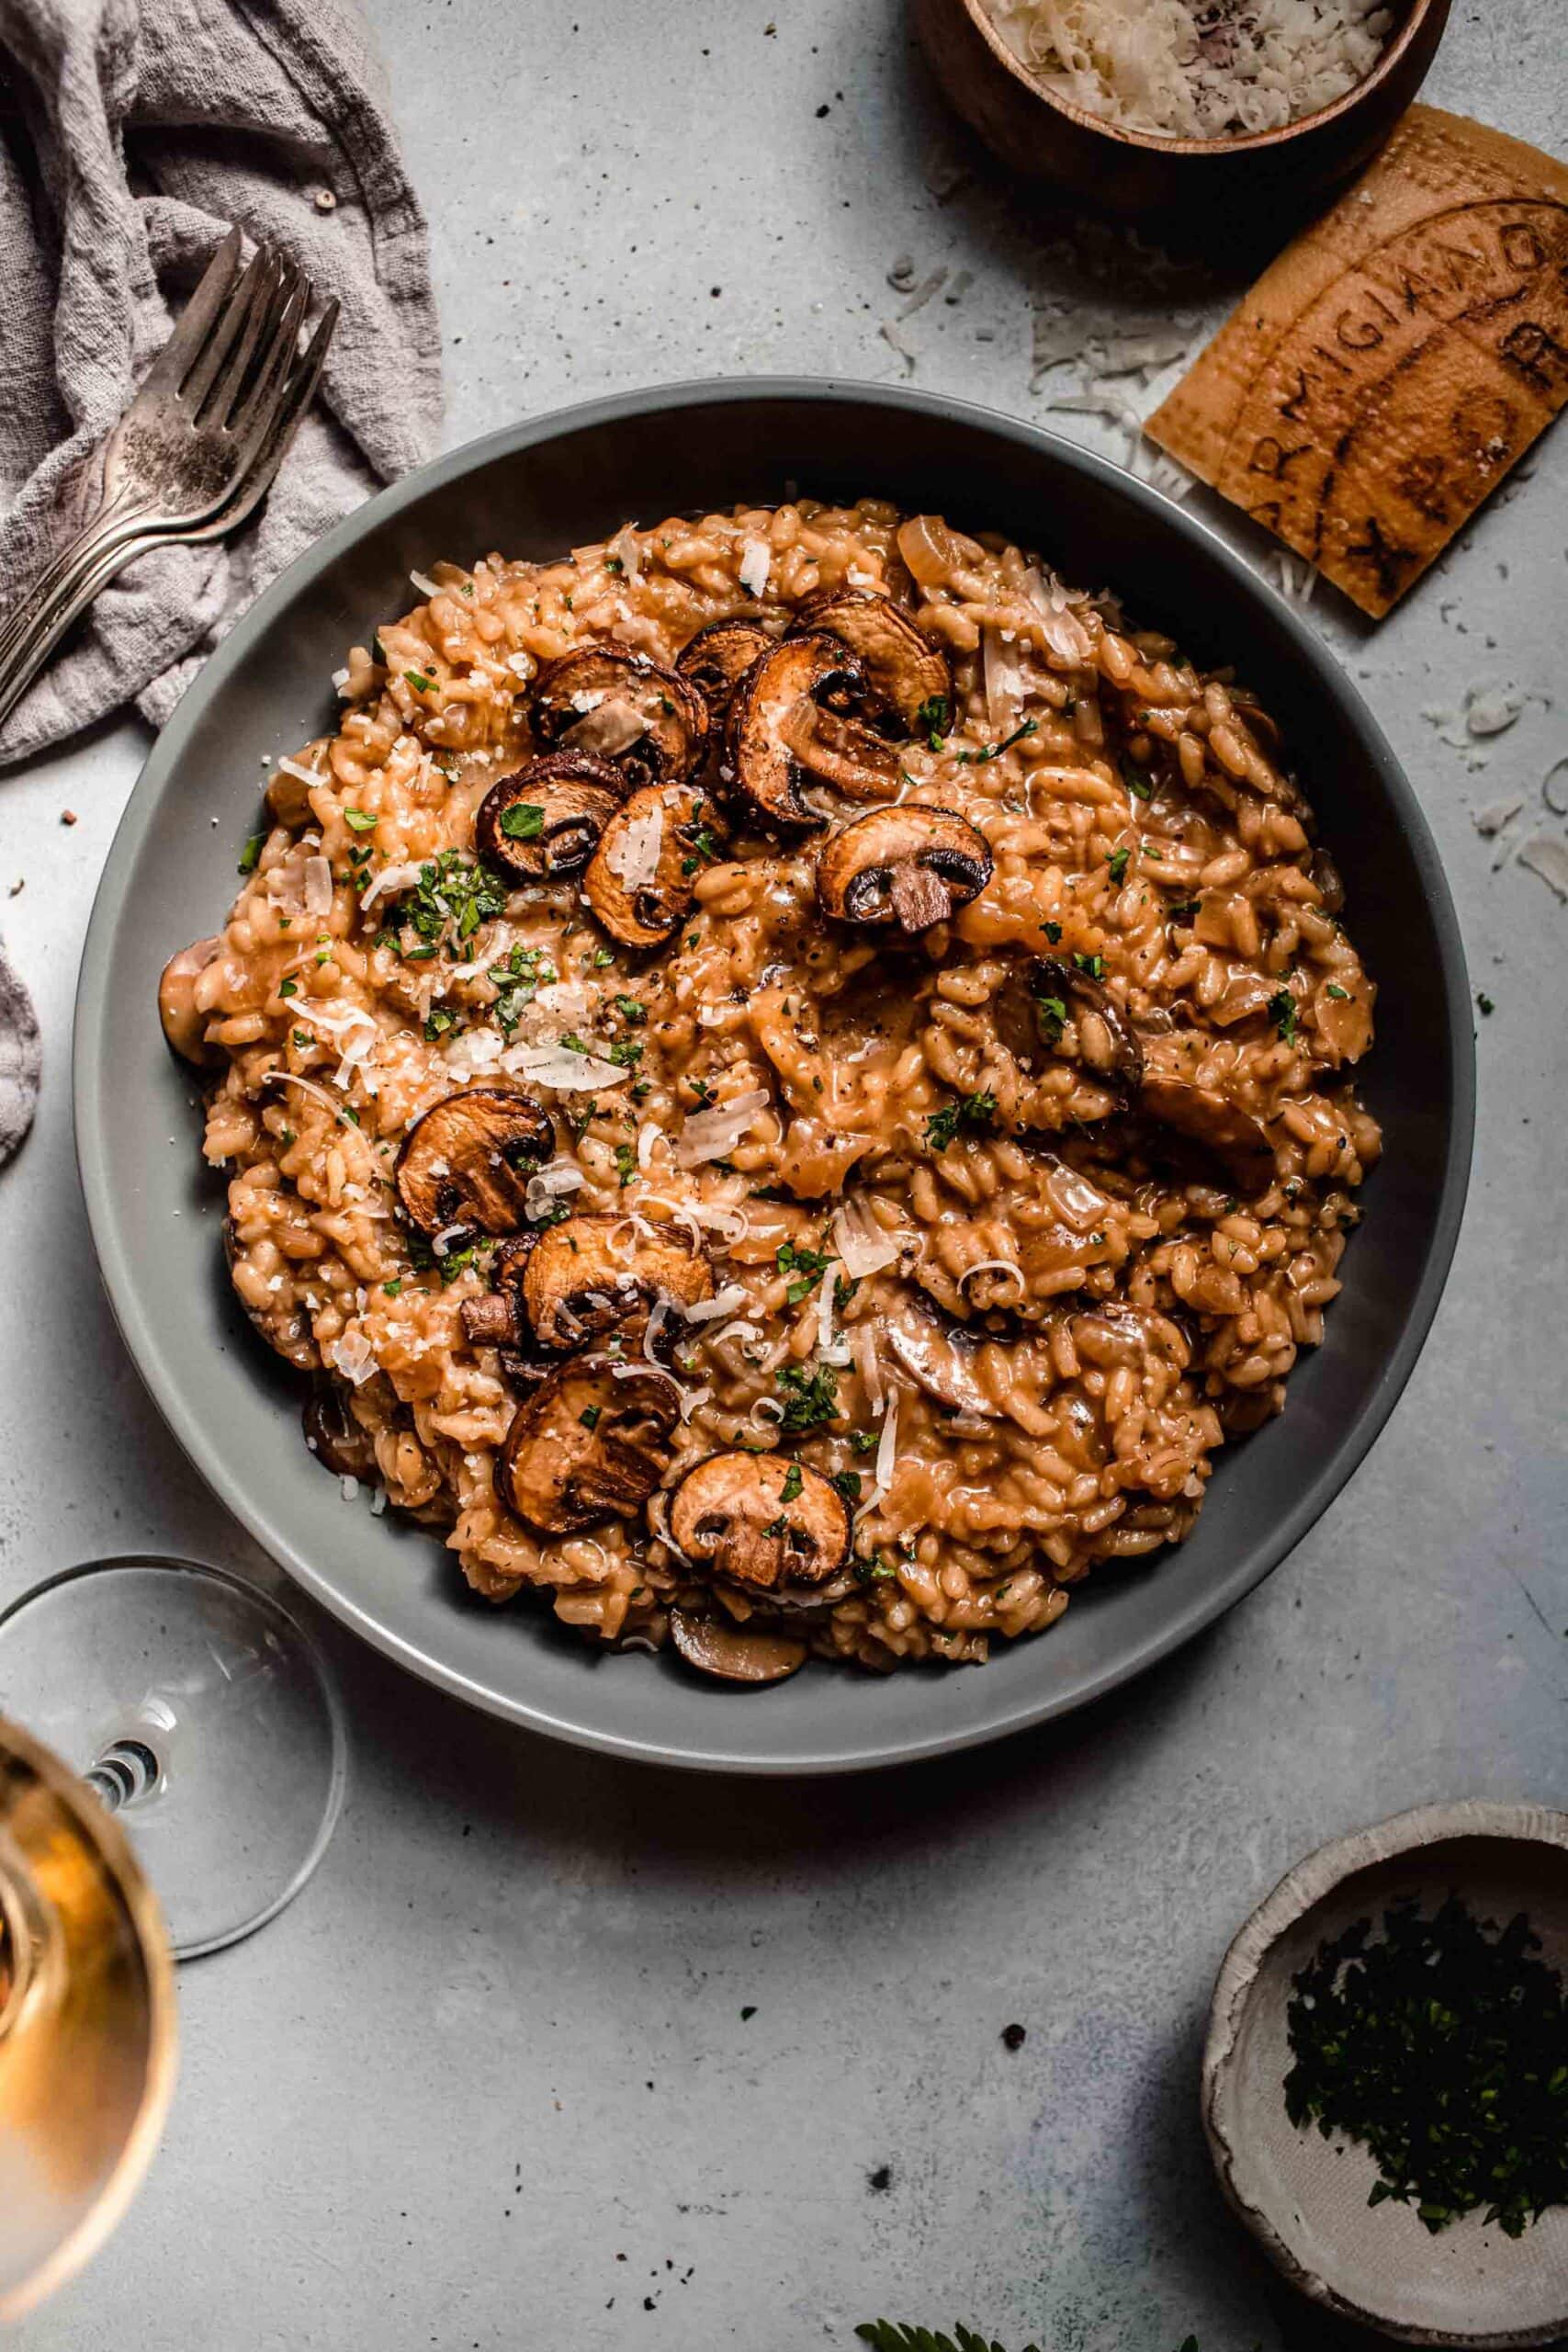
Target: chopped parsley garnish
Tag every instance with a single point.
(1283, 1013)
(1051, 1017)
(1053, 932)
(625, 1163)
(994, 751)
(976, 1111)
(613, 563)
(251, 853)
(1093, 965)
(452, 891)
(848, 1483)
(391, 1289)
(633, 1012)
(810, 1398)
(1118, 863)
(419, 682)
(931, 721)
(289, 986)
(627, 1052)
(704, 846)
(865, 1441)
(1342, 995)
(523, 821)
(1185, 912)
(303, 1038)
(1137, 780)
(792, 1485)
(359, 820)
(517, 981)
(440, 1020)
(1483, 1003)
(589, 1416)
(807, 1266)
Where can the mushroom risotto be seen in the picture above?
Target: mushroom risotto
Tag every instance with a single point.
(787, 1075)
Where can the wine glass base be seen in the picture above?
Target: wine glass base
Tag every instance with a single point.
(204, 1717)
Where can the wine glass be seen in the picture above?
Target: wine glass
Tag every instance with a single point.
(196, 1708)
(86, 2022)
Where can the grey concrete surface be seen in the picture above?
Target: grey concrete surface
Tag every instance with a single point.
(553, 2053)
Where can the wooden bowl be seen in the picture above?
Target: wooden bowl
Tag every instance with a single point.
(1305, 2197)
(1245, 186)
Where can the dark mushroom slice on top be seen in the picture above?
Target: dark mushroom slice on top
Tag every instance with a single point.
(576, 1287)
(770, 1526)
(468, 1161)
(912, 865)
(651, 723)
(334, 1437)
(184, 1026)
(546, 819)
(1239, 1142)
(906, 677)
(718, 656)
(939, 1355)
(780, 732)
(1036, 1005)
(591, 1444)
(734, 1653)
(641, 880)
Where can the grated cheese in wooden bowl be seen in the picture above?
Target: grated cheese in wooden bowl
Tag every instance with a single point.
(1196, 69)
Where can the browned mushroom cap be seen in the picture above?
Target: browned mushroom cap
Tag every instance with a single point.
(905, 674)
(911, 865)
(651, 723)
(768, 1524)
(546, 817)
(642, 877)
(1238, 1140)
(939, 1355)
(576, 1287)
(718, 656)
(734, 1653)
(591, 1443)
(1050, 1008)
(778, 727)
(334, 1437)
(184, 1026)
(468, 1161)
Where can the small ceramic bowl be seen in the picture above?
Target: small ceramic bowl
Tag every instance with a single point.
(1304, 2197)
(1242, 189)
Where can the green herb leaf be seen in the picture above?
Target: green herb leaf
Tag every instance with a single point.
(589, 1416)
(523, 821)
(1118, 863)
(359, 821)
(250, 855)
(1137, 780)
(1283, 1013)
(810, 1398)
(972, 1111)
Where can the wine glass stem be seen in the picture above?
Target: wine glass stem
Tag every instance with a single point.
(127, 1769)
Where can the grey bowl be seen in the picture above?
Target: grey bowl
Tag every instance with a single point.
(555, 482)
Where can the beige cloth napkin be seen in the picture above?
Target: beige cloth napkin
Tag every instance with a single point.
(132, 133)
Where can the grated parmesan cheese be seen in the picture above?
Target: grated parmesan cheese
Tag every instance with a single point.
(756, 562)
(1195, 69)
(635, 854)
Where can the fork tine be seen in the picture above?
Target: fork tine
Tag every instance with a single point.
(259, 321)
(195, 320)
(249, 421)
(277, 431)
(195, 390)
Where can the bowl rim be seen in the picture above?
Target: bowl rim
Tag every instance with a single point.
(93, 1144)
(1310, 1882)
(1248, 143)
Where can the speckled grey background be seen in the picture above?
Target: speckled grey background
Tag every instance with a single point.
(498, 2043)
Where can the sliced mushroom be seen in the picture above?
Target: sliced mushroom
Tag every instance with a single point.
(844, 752)
(334, 1437)
(939, 1355)
(767, 1524)
(575, 1286)
(641, 880)
(769, 741)
(651, 723)
(1036, 1005)
(546, 819)
(734, 1652)
(905, 674)
(468, 1161)
(591, 1444)
(1238, 1140)
(184, 1026)
(912, 865)
(718, 656)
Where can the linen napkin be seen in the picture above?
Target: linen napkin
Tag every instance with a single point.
(132, 134)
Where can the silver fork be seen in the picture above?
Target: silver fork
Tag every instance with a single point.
(195, 450)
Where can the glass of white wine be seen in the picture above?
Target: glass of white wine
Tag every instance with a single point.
(178, 1721)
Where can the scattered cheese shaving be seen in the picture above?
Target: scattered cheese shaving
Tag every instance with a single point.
(634, 856)
(426, 587)
(396, 878)
(300, 775)
(564, 1071)
(713, 1134)
(756, 562)
(861, 1241)
(317, 886)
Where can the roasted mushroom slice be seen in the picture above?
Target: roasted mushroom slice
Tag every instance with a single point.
(576, 1284)
(334, 1437)
(912, 865)
(468, 1161)
(651, 723)
(591, 1443)
(642, 877)
(1049, 1008)
(939, 1356)
(1238, 1141)
(776, 727)
(767, 1524)
(546, 817)
(184, 1026)
(734, 1653)
(906, 677)
(718, 656)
